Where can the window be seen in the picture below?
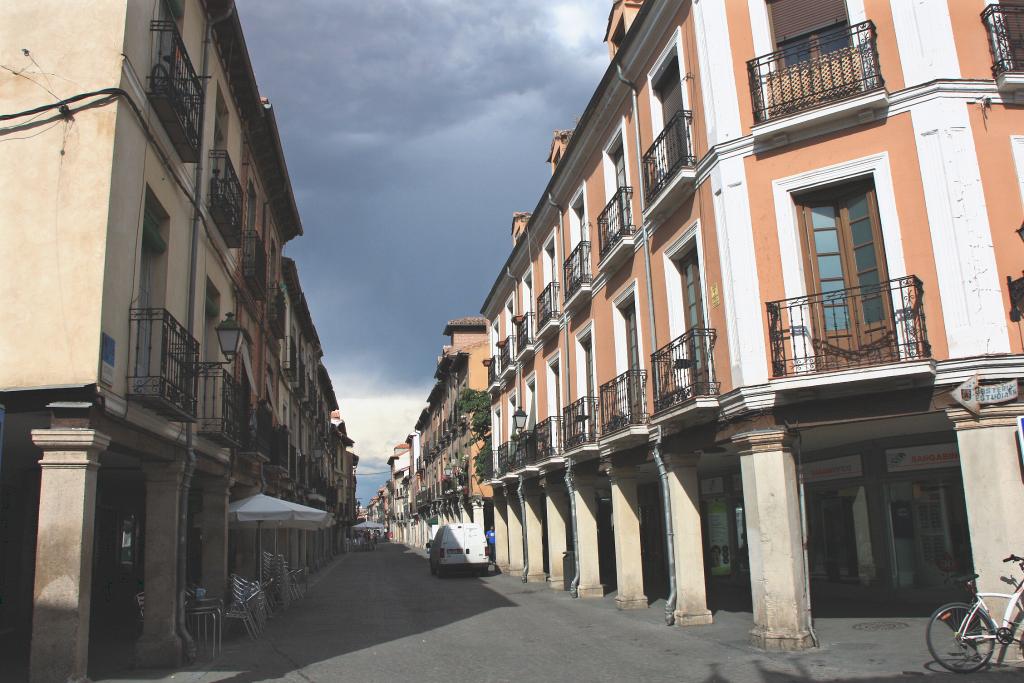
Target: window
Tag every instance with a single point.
(578, 220)
(669, 91)
(554, 382)
(212, 310)
(550, 272)
(220, 122)
(250, 223)
(689, 275)
(587, 356)
(628, 311)
(807, 28)
(615, 171)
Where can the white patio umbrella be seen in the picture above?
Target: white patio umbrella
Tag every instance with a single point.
(263, 510)
(368, 525)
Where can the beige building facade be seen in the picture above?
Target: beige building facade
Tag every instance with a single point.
(142, 214)
(781, 234)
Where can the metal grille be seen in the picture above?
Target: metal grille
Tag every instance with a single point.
(684, 369)
(225, 200)
(623, 401)
(1005, 24)
(580, 423)
(276, 312)
(616, 221)
(290, 366)
(162, 369)
(176, 91)
(577, 269)
(524, 332)
(547, 305)
(670, 152)
(547, 435)
(507, 353)
(254, 264)
(848, 328)
(523, 451)
(503, 460)
(258, 433)
(492, 371)
(220, 419)
(828, 67)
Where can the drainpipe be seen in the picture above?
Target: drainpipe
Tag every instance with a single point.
(798, 448)
(570, 486)
(187, 642)
(666, 501)
(522, 525)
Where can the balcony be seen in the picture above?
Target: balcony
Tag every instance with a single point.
(258, 432)
(162, 364)
(220, 417)
(290, 364)
(579, 423)
(547, 438)
(848, 328)
(524, 336)
(616, 233)
(225, 200)
(507, 356)
(175, 91)
(524, 451)
(684, 370)
(623, 402)
(254, 264)
(1005, 26)
(279, 447)
(833, 75)
(493, 374)
(276, 313)
(668, 157)
(547, 312)
(504, 461)
(578, 278)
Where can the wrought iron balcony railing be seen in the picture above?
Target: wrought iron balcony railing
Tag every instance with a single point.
(508, 353)
(1005, 25)
(290, 365)
(504, 460)
(524, 450)
(623, 401)
(176, 91)
(254, 264)
(276, 312)
(615, 221)
(670, 152)
(524, 332)
(579, 423)
(225, 200)
(829, 67)
(162, 364)
(577, 269)
(220, 416)
(684, 369)
(258, 432)
(547, 438)
(493, 370)
(848, 328)
(547, 305)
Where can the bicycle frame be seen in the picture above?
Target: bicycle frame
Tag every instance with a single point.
(1012, 605)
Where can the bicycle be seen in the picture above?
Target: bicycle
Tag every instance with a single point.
(962, 637)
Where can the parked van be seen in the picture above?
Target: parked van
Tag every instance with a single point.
(459, 547)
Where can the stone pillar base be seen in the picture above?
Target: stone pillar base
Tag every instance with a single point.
(503, 568)
(591, 591)
(693, 619)
(536, 578)
(631, 602)
(556, 583)
(512, 569)
(158, 652)
(780, 642)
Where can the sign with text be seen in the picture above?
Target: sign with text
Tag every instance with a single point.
(834, 468)
(921, 457)
(712, 486)
(718, 538)
(972, 394)
(108, 357)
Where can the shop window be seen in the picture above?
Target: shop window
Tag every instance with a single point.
(928, 521)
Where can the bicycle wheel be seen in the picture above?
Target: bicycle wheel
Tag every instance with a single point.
(960, 654)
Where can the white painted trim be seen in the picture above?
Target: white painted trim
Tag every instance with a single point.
(1017, 147)
(550, 383)
(627, 293)
(578, 225)
(581, 380)
(718, 79)
(673, 49)
(924, 36)
(691, 237)
(618, 138)
(969, 287)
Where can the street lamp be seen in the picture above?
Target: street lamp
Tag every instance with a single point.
(229, 335)
(519, 419)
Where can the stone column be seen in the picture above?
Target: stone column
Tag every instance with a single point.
(215, 537)
(771, 500)
(586, 529)
(501, 533)
(629, 571)
(159, 645)
(558, 519)
(990, 465)
(477, 516)
(684, 497)
(534, 526)
(63, 576)
(515, 533)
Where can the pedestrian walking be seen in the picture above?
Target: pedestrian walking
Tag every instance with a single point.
(490, 544)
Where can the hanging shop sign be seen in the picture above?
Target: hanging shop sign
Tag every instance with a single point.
(972, 394)
(921, 457)
(712, 486)
(834, 468)
(718, 537)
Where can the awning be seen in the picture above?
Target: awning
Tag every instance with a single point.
(266, 511)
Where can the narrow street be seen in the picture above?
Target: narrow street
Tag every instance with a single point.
(381, 616)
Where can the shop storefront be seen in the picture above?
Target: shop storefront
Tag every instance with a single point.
(724, 526)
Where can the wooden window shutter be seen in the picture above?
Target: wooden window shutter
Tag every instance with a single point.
(791, 18)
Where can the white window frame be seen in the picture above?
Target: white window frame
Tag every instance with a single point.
(674, 49)
(628, 293)
(526, 290)
(690, 239)
(550, 381)
(581, 366)
(507, 312)
(578, 224)
(530, 399)
(549, 262)
(618, 138)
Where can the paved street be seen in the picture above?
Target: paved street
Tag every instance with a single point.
(380, 616)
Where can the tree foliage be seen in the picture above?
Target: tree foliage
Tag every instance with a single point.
(476, 405)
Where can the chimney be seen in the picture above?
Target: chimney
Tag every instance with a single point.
(559, 141)
(620, 19)
(520, 219)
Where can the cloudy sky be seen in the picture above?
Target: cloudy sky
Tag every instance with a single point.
(413, 129)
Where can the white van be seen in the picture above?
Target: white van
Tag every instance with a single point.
(459, 547)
